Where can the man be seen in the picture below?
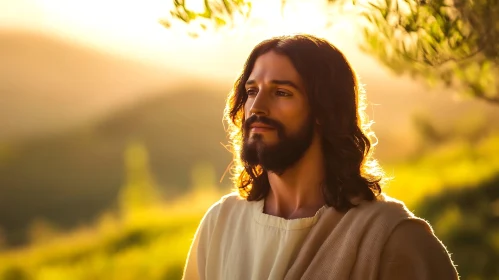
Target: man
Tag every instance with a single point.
(308, 203)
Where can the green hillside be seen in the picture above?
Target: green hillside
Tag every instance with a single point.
(71, 177)
(151, 242)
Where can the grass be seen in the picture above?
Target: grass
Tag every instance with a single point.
(152, 249)
(150, 244)
(454, 165)
(153, 243)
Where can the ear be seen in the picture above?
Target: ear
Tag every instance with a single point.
(317, 122)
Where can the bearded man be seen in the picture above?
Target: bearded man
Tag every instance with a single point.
(308, 201)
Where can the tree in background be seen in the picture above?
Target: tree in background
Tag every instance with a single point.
(467, 219)
(449, 42)
(140, 190)
(454, 42)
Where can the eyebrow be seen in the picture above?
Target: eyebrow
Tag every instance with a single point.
(276, 82)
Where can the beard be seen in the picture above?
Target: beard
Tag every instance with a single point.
(280, 156)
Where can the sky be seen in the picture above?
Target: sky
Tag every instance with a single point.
(45, 85)
(131, 28)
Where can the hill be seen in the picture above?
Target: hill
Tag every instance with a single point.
(49, 83)
(70, 177)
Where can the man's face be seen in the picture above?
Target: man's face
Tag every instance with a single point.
(278, 128)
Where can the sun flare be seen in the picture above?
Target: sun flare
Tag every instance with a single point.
(271, 18)
(132, 28)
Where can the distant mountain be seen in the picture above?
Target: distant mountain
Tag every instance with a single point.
(72, 177)
(48, 83)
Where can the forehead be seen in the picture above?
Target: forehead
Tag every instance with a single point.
(274, 66)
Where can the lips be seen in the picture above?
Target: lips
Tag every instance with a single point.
(261, 126)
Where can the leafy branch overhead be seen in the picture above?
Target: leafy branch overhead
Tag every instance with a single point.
(449, 42)
(215, 13)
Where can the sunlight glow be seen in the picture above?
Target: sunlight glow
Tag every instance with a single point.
(295, 17)
(131, 28)
(195, 5)
(113, 17)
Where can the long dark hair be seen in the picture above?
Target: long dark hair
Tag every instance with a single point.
(337, 102)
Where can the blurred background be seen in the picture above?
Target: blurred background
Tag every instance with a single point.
(112, 140)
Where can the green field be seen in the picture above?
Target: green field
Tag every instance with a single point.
(152, 242)
(453, 165)
(147, 244)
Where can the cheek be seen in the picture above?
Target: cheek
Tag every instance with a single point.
(295, 115)
(247, 108)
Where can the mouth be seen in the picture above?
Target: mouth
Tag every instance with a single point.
(259, 127)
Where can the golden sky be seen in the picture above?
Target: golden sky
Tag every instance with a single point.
(131, 28)
(42, 92)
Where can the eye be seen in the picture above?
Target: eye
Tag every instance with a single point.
(282, 93)
(251, 91)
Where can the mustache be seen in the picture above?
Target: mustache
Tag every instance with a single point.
(262, 119)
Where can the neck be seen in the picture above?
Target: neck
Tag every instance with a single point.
(297, 193)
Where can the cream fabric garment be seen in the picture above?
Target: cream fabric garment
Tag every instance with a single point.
(236, 240)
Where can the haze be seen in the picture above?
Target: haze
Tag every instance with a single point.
(66, 63)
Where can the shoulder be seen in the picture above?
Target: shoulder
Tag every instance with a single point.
(413, 250)
(391, 218)
(383, 210)
(387, 205)
(225, 205)
(408, 246)
(228, 201)
(412, 235)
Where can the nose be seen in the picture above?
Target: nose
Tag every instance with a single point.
(259, 105)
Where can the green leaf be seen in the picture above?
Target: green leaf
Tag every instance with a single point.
(220, 21)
